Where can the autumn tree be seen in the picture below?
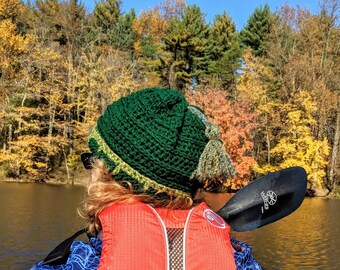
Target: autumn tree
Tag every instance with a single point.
(327, 89)
(44, 23)
(36, 108)
(37, 111)
(300, 52)
(71, 19)
(13, 47)
(58, 23)
(11, 9)
(150, 28)
(297, 146)
(151, 25)
(256, 91)
(236, 126)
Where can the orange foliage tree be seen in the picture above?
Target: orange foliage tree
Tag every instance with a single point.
(236, 126)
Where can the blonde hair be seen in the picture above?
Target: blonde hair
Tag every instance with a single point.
(104, 191)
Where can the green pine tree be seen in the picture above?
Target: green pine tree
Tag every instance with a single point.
(122, 36)
(106, 14)
(255, 33)
(186, 45)
(224, 51)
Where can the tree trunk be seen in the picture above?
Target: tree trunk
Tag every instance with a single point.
(335, 151)
(22, 105)
(51, 123)
(67, 169)
(268, 146)
(10, 133)
(4, 144)
(171, 79)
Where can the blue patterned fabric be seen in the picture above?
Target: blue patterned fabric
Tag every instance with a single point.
(83, 256)
(86, 256)
(243, 256)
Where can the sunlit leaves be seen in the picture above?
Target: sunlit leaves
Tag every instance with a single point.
(11, 9)
(236, 126)
(278, 104)
(12, 45)
(297, 146)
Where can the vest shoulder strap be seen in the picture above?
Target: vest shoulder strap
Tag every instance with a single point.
(133, 238)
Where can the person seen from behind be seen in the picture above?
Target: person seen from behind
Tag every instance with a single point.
(154, 159)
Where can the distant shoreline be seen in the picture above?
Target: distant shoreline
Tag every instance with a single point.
(81, 178)
(76, 178)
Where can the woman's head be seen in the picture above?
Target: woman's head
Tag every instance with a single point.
(158, 144)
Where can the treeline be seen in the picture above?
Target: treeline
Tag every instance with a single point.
(273, 87)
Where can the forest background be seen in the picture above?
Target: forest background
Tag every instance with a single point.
(272, 87)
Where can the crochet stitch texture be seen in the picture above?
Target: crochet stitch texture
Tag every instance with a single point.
(155, 140)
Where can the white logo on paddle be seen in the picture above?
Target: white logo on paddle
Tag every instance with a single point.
(269, 198)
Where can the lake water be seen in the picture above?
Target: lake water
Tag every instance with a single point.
(37, 217)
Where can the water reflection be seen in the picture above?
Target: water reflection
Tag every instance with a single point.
(307, 239)
(35, 218)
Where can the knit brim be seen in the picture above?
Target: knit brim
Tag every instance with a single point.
(122, 171)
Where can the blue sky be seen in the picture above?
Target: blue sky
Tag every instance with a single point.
(239, 10)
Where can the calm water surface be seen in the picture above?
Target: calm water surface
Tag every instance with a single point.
(35, 218)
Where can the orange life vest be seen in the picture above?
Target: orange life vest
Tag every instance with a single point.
(135, 236)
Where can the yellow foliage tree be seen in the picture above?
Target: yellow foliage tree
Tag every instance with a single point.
(27, 155)
(10, 9)
(12, 45)
(151, 25)
(251, 85)
(254, 91)
(297, 146)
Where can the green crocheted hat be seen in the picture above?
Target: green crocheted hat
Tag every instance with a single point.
(159, 143)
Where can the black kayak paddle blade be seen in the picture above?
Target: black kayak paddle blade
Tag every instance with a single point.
(266, 199)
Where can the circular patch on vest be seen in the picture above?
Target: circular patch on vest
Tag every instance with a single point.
(214, 219)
